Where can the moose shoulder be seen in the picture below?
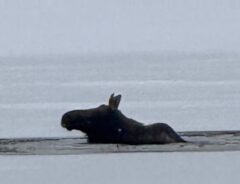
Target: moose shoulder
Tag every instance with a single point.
(106, 124)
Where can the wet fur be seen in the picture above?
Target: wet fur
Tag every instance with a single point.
(106, 124)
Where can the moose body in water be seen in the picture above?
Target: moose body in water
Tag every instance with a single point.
(106, 124)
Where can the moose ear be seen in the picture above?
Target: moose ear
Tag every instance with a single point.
(114, 101)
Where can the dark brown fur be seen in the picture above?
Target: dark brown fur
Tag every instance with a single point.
(106, 124)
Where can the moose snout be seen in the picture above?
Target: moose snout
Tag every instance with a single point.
(65, 121)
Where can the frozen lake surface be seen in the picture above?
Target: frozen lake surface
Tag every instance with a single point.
(189, 92)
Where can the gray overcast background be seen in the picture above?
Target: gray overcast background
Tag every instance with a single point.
(104, 26)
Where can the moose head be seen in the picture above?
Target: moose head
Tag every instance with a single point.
(101, 122)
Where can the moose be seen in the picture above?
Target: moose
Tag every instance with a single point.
(107, 124)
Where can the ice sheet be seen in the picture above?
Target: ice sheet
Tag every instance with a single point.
(197, 92)
(169, 168)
